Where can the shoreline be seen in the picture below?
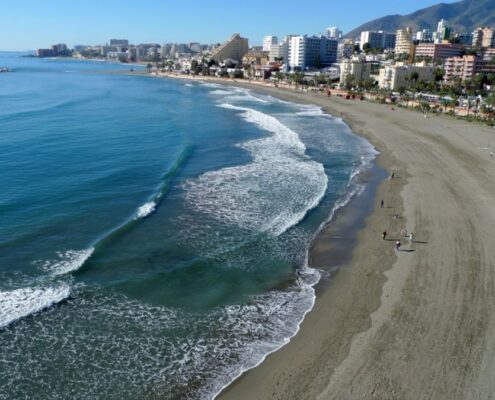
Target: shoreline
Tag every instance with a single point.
(412, 324)
(331, 250)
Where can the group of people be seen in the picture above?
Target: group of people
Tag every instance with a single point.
(404, 233)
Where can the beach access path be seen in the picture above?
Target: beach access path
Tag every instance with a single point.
(414, 324)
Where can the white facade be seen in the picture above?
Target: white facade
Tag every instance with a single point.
(358, 68)
(268, 41)
(394, 77)
(296, 52)
(333, 32)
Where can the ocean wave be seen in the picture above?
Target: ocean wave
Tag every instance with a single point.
(19, 303)
(270, 194)
(145, 210)
(66, 262)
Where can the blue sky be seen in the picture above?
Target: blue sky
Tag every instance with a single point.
(30, 24)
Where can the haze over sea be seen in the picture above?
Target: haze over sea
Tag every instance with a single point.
(154, 233)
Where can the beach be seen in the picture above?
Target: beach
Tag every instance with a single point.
(413, 324)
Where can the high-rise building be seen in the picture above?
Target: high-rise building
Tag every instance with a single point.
(333, 32)
(345, 49)
(234, 48)
(119, 42)
(378, 39)
(424, 36)
(311, 52)
(268, 41)
(484, 37)
(278, 52)
(404, 41)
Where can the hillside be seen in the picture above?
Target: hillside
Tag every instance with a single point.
(462, 16)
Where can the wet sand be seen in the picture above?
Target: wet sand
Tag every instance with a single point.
(414, 324)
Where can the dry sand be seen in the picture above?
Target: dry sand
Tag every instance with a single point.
(417, 324)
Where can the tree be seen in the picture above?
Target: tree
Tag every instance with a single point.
(349, 81)
(149, 66)
(279, 76)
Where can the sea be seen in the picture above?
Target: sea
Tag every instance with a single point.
(154, 233)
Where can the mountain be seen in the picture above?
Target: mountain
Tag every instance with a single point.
(462, 16)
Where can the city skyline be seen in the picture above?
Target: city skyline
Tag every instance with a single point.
(29, 25)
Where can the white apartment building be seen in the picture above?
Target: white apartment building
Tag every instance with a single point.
(394, 77)
(377, 39)
(268, 42)
(357, 67)
(333, 32)
(311, 52)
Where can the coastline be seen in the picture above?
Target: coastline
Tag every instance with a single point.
(408, 325)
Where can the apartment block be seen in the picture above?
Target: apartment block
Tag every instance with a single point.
(234, 48)
(394, 77)
(378, 39)
(311, 52)
(437, 51)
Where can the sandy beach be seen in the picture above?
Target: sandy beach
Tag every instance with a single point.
(413, 324)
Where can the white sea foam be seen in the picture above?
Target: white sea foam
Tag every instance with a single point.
(270, 194)
(145, 210)
(66, 261)
(19, 303)
(189, 85)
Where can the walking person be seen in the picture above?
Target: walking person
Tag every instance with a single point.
(382, 204)
(397, 245)
(384, 235)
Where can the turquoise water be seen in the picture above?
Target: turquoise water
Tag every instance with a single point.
(154, 233)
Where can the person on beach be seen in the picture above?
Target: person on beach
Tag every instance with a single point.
(403, 232)
(397, 245)
(384, 235)
(411, 237)
(382, 203)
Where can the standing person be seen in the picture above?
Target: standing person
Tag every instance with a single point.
(382, 203)
(397, 245)
(411, 237)
(384, 235)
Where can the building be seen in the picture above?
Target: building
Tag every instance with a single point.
(305, 52)
(443, 32)
(460, 67)
(268, 41)
(234, 48)
(119, 42)
(255, 58)
(333, 32)
(466, 67)
(437, 51)
(403, 42)
(345, 49)
(395, 77)
(277, 52)
(378, 40)
(424, 36)
(466, 39)
(484, 37)
(357, 67)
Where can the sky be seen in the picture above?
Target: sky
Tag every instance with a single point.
(32, 24)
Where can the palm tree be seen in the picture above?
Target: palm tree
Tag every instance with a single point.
(149, 66)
